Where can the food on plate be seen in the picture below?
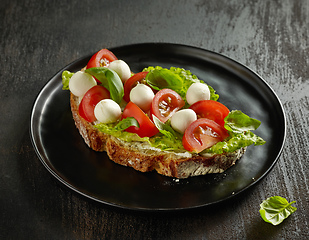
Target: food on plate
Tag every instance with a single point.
(159, 119)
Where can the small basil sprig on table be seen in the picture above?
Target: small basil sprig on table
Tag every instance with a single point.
(275, 209)
(109, 80)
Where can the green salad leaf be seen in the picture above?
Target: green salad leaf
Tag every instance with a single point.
(164, 128)
(169, 140)
(116, 130)
(110, 80)
(166, 143)
(239, 125)
(234, 142)
(275, 209)
(177, 79)
(237, 121)
(66, 76)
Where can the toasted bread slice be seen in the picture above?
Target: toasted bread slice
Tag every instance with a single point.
(142, 157)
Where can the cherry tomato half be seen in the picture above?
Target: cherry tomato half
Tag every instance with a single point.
(101, 59)
(90, 100)
(146, 126)
(211, 109)
(203, 133)
(131, 83)
(165, 103)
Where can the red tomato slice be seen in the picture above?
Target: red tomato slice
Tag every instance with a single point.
(146, 126)
(211, 109)
(165, 103)
(131, 83)
(101, 59)
(90, 100)
(203, 133)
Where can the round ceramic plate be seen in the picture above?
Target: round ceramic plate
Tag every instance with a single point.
(64, 153)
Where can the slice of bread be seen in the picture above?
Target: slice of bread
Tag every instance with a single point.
(142, 157)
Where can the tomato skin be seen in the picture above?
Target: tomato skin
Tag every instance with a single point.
(101, 59)
(146, 126)
(165, 103)
(105, 55)
(203, 133)
(90, 100)
(211, 109)
(131, 83)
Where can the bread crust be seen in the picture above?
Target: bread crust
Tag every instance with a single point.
(144, 158)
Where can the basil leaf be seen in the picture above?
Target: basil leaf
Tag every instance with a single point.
(164, 128)
(110, 80)
(66, 76)
(177, 79)
(239, 122)
(125, 123)
(170, 140)
(164, 78)
(275, 209)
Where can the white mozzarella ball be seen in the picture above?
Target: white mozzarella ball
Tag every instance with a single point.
(107, 111)
(80, 83)
(121, 68)
(197, 92)
(182, 119)
(142, 96)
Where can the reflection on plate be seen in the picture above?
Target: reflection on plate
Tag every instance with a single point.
(65, 155)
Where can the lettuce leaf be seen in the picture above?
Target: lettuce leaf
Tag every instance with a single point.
(116, 130)
(239, 125)
(239, 122)
(177, 79)
(234, 142)
(166, 143)
(66, 76)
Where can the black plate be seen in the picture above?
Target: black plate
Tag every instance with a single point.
(65, 155)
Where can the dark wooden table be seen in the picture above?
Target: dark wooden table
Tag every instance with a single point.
(40, 37)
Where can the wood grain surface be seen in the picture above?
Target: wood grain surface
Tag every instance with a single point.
(40, 37)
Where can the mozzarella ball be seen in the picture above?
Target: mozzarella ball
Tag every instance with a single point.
(107, 111)
(121, 68)
(182, 119)
(197, 92)
(80, 83)
(142, 96)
